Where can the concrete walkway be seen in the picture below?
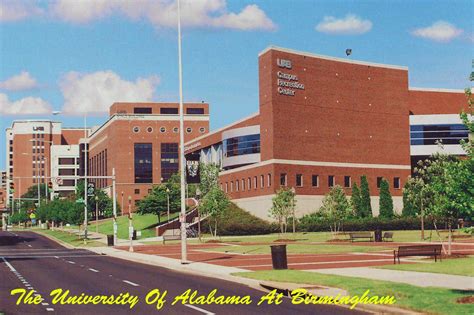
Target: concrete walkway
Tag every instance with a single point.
(420, 279)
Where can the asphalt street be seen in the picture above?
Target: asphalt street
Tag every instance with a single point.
(33, 262)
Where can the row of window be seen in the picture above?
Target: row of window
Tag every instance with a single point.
(143, 161)
(242, 145)
(168, 110)
(98, 167)
(38, 135)
(136, 129)
(432, 134)
(242, 185)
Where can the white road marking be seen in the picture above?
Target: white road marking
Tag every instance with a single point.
(131, 283)
(29, 245)
(93, 270)
(45, 304)
(71, 262)
(50, 309)
(199, 309)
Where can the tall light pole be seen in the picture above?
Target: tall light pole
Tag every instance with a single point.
(130, 224)
(168, 202)
(181, 144)
(85, 178)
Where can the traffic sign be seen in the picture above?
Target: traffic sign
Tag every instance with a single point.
(59, 180)
(80, 200)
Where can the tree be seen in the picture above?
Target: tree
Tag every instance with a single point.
(214, 204)
(209, 177)
(410, 208)
(356, 201)
(104, 202)
(335, 209)
(156, 202)
(385, 201)
(365, 206)
(283, 205)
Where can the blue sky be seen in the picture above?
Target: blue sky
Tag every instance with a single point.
(81, 56)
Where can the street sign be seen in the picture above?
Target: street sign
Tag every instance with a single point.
(90, 189)
(80, 200)
(59, 180)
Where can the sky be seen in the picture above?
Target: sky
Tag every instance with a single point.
(80, 56)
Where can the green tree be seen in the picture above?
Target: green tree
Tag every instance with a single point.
(335, 209)
(410, 208)
(283, 206)
(356, 200)
(365, 206)
(209, 177)
(214, 204)
(156, 202)
(385, 201)
(104, 202)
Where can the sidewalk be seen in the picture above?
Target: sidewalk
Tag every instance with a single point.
(420, 279)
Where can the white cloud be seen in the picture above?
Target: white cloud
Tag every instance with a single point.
(349, 25)
(440, 31)
(25, 106)
(19, 82)
(163, 13)
(15, 10)
(95, 92)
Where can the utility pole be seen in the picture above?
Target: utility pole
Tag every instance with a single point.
(114, 206)
(85, 178)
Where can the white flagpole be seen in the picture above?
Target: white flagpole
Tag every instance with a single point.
(181, 145)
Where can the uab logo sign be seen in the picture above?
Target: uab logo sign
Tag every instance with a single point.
(283, 63)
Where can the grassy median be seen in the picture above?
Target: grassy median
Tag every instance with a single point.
(69, 238)
(297, 249)
(427, 300)
(457, 266)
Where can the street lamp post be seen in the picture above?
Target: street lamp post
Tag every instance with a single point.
(168, 202)
(293, 190)
(121, 209)
(198, 194)
(97, 214)
(85, 178)
(130, 223)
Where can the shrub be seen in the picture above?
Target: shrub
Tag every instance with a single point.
(385, 202)
(365, 206)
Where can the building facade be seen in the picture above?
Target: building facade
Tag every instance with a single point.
(141, 141)
(322, 121)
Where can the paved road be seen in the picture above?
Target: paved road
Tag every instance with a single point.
(33, 262)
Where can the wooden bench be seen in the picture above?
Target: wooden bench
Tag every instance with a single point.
(386, 236)
(357, 235)
(417, 250)
(170, 238)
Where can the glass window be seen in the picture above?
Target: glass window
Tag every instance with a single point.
(143, 161)
(347, 181)
(168, 111)
(379, 181)
(262, 181)
(269, 180)
(237, 185)
(283, 179)
(142, 110)
(202, 130)
(431, 134)
(195, 111)
(255, 182)
(66, 171)
(149, 129)
(396, 182)
(136, 129)
(66, 161)
(331, 181)
(299, 180)
(231, 186)
(189, 130)
(169, 160)
(243, 184)
(315, 180)
(175, 129)
(137, 191)
(226, 187)
(249, 183)
(163, 129)
(242, 145)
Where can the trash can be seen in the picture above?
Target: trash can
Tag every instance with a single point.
(279, 260)
(378, 235)
(110, 240)
(134, 235)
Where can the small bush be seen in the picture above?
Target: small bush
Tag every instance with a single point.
(236, 221)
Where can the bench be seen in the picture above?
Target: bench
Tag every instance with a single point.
(386, 236)
(170, 238)
(417, 250)
(356, 235)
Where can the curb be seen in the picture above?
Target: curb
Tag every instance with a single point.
(52, 238)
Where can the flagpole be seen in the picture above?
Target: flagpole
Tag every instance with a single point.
(181, 144)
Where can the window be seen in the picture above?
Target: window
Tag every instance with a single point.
(237, 185)
(283, 179)
(195, 111)
(169, 160)
(347, 181)
(242, 145)
(136, 129)
(66, 161)
(143, 154)
(175, 129)
(231, 186)
(163, 129)
(189, 130)
(249, 183)
(299, 180)
(66, 171)
(149, 191)
(379, 181)
(255, 182)
(396, 182)
(243, 184)
(149, 129)
(202, 130)
(430, 134)
(269, 180)
(331, 181)
(68, 182)
(226, 187)
(315, 180)
(168, 111)
(142, 110)
(137, 191)
(262, 181)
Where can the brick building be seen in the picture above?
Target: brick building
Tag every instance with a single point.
(141, 141)
(324, 121)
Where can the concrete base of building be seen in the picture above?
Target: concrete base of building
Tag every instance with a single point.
(305, 204)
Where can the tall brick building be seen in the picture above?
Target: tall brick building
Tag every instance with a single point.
(326, 121)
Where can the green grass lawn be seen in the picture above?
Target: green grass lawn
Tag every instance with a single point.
(458, 266)
(427, 300)
(69, 238)
(140, 223)
(298, 249)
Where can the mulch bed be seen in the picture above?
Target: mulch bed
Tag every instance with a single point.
(284, 240)
(466, 300)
